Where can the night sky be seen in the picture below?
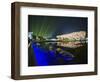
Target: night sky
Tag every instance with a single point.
(51, 26)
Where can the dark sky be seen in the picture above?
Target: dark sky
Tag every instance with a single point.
(50, 26)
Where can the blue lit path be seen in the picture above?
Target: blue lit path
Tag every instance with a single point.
(46, 57)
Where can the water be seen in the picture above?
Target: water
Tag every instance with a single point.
(57, 53)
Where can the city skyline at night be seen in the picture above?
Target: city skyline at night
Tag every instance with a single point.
(50, 26)
(57, 40)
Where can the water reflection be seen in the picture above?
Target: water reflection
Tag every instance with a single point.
(71, 44)
(59, 53)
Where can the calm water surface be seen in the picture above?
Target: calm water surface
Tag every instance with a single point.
(57, 53)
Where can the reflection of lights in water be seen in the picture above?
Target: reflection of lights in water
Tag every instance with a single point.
(39, 55)
(50, 55)
(58, 49)
(70, 44)
(65, 53)
(38, 44)
(50, 47)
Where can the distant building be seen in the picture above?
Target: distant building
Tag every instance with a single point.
(81, 35)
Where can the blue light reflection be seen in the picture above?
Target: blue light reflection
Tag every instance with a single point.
(45, 57)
